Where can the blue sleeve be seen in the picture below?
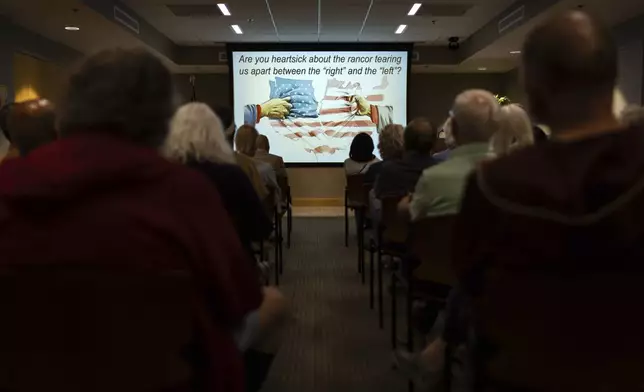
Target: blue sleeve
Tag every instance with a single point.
(250, 114)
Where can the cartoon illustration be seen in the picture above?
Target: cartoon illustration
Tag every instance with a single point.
(321, 127)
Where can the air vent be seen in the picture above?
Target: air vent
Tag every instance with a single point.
(194, 11)
(514, 18)
(126, 19)
(446, 10)
(223, 57)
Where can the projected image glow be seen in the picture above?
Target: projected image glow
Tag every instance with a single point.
(312, 104)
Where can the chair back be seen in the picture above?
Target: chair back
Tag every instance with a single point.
(394, 225)
(356, 195)
(269, 203)
(430, 242)
(89, 329)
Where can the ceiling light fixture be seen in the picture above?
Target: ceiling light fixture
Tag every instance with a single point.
(237, 29)
(72, 28)
(482, 69)
(414, 9)
(515, 52)
(223, 9)
(400, 29)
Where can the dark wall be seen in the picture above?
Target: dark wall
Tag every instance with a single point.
(14, 38)
(430, 95)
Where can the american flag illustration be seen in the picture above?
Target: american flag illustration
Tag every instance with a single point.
(337, 121)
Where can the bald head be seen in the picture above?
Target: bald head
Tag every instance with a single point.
(474, 117)
(570, 68)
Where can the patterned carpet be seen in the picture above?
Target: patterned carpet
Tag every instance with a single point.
(334, 344)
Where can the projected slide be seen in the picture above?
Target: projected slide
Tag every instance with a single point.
(312, 104)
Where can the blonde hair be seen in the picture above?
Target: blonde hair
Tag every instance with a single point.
(196, 133)
(390, 141)
(246, 140)
(514, 131)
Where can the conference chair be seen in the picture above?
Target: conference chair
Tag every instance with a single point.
(272, 212)
(391, 241)
(427, 271)
(84, 328)
(356, 198)
(282, 181)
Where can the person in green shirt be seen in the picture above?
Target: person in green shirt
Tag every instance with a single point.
(475, 118)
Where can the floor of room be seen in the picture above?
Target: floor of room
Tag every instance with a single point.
(333, 343)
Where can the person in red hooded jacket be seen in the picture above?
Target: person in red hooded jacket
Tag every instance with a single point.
(102, 195)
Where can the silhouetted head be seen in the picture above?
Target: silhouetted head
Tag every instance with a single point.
(420, 136)
(570, 70)
(123, 92)
(31, 124)
(246, 140)
(361, 149)
(263, 143)
(390, 143)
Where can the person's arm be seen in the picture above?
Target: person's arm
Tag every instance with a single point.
(244, 204)
(214, 250)
(251, 114)
(384, 115)
(471, 245)
(419, 205)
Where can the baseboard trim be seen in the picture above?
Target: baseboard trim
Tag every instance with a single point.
(318, 202)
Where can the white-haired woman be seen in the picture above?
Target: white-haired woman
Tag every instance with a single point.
(515, 130)
(197, 139)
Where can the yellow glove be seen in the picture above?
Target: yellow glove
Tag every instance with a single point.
(364, 107)
(276, 108)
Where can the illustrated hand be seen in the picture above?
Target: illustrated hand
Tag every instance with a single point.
(276, 108)
(364, 108)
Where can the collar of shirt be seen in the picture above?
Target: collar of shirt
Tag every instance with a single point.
(472, 149)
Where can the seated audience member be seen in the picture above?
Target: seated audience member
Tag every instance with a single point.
(563, 235)
(514, 131)
(475, 118)
(197, 139)
(31, 124)
(11, 150)
(104, 196)
(245, 163)
(360, 155)
(263, 154)
(445, 134)
(390, 145)
(399, 176)
(246, 145)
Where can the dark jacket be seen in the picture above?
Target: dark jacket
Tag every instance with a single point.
(96, 200)
(398, 177)
(550, 246)
(240, 200)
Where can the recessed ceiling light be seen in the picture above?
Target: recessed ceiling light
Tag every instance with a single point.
(515, 52)
(482, 69)
(400, 29)
(237, 29)
(414, 9)
(223, 9)
(72, 28)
